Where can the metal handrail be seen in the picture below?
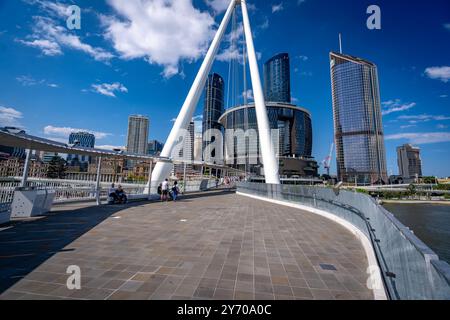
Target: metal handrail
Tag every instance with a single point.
(437, 271)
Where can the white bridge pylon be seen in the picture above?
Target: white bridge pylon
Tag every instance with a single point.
(162, 170)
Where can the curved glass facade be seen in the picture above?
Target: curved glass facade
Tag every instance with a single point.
(294, 125)
(359, 137)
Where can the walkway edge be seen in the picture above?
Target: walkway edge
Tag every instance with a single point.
(379, 294)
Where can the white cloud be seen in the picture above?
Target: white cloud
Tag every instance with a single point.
(50, 38)
(53, 8)
(441, 126)
(423, 118)
(277, 7)
(163, 32)
(302, 57)
(407, 126)
(229, 54)
(234, 50)
(48, 48)
(265, 24)
(9, 117)
(28, 81)
(443, 96)
(65, 132)
(108, 89)
(438, 73)
(447, 26)
(299, 2)
(396, 105)
(218, 5)
(421, 138)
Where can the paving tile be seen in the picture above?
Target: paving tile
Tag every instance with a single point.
(235, 254)
(304, 293)
(241, 295)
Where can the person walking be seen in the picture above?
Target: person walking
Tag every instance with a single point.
(165, 190)
(175, 191)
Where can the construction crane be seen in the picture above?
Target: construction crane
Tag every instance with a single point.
(327, 161)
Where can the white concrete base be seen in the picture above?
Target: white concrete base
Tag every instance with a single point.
(378, 293)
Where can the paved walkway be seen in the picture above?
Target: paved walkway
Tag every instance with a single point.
(221, 246)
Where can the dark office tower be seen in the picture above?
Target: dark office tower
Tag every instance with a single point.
(277, 79)
(80, 139)
(155, 147)
(213, 107)
(358, 128)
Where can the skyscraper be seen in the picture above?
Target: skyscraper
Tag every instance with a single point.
(277, 79)
(80, 139)
(213, 107)
(155, 147)
(358, 128)
(409, 162)
(187, 151)
(198, 142)
(137, 134)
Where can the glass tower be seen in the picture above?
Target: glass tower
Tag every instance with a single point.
(213, 107)
(277, 79)
(81, 139)
(358, 129)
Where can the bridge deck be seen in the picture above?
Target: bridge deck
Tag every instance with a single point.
(219, 246)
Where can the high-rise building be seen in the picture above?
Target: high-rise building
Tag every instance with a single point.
(14, 152)
(155, 147)
(358, 129)
(187, 151)
(213, 108)
(277, 79)
(409, 162)
(198, 149)
(294, 145)
(80, 139)
(137, 141)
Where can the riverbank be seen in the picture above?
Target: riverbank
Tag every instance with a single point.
(439, 202)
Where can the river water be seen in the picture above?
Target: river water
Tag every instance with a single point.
(430, 223)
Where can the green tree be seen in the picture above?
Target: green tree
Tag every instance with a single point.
(429, 180)
(412, 189)
(56, 168)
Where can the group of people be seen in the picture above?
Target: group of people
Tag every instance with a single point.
(117, 195)
(166, 192)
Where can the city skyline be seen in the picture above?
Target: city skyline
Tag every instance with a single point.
(60, 77)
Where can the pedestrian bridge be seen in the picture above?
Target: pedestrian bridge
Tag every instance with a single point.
(213, 245)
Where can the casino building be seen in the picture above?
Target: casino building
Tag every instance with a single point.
(294, 139)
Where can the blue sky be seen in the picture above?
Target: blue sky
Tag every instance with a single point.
(140, 57)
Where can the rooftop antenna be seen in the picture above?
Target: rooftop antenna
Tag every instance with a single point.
(340, 43)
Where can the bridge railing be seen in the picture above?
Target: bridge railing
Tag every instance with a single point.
(410, 269)
(75, 190)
